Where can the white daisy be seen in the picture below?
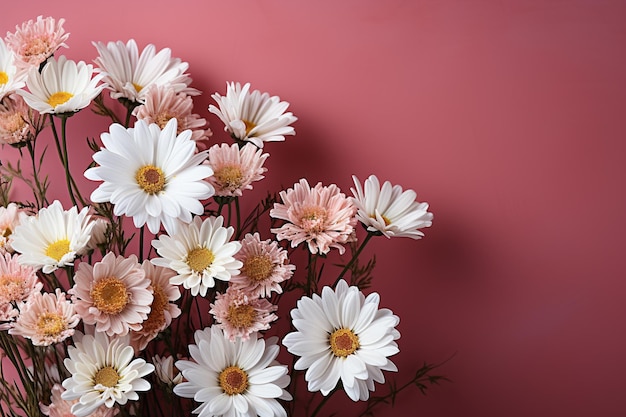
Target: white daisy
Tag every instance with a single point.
(389, 210)
(129, 74)
(10, 78)
(53, 238)
(240, 379)
(255, 117)
(103, 373)
(343, 335)
(200, 253)
(62, 86)
(151, 175)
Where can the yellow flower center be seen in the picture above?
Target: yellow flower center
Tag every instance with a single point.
(59, 98)
(343, 342)
(50, 324)
(4, 78)
(242, 316)
(258, 268)
(106, 376)
(385, 219)
(249, 126)
(200, 259)
(233, 380)
(58, 249)
(151, 179)
(138, 88)
(230, 177)
(109, 295)
(313, 219)
(156, 318)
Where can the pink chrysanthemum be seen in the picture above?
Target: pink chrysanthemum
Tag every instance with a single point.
(130, 75)
(10, 218)
(46, 319)
(36, 41)
(162, 103)
(63, 408)
(15, 121)
(17, 282)
(240, 315)
(265, 266)
(8, 314)
(113, 294)
(235, 169)
(162, 309)
(321, 216)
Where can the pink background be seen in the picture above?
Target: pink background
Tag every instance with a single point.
(507, 116)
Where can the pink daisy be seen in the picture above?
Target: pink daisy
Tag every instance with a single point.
(114, 294)
(46, 319)
(10, 218)
(63, 408)
(162, 309)
(239, 315)
(321, 216)
(36, 41)
(17, 282)
(265, 266)
(235, 169)
(15, 121)
(164, 103)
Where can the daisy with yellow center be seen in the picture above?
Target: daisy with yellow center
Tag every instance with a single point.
(103, 373)
(53, 238)
(63, 86)
(237, 378)
(253, 116)
(46, 319)
(342, 335)
(235, 169)
(240, 315)
(59, 407)
(114, 295)
(200, 252)
(321, 216)
(11, 78)
(151, 174)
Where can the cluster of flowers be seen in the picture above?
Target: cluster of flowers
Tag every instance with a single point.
(94, 325)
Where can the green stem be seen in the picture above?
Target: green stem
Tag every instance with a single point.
(354, 257)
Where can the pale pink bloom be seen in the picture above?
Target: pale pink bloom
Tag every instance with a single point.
(162, 310)
(17, 282)
(10, 218)
(15, 121)
(163, 103)
(239, 315)
(62, 408)
(234, 169)
(36, 41)
(321, 216)
(165, 370)
(8, 313)
(253, 117)
(265, 266)
(114, 294)
(46, 319)
(130, 75)
(99, 232)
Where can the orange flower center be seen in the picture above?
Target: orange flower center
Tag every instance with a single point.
(313, 219)
(200, 259)
(36, 46)
(249, 126)
(343, 342)
(229, 177)
(109, 295)
(13, 122)
(106, 376)
(258, 268)
(241, 316)
(59, 98)
(151, 179)
(156, 318)
(58, 249)
(233, 380)
(50, 324)
(11, 288)
(138, 88)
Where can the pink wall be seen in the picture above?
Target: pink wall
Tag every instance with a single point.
(507, 116)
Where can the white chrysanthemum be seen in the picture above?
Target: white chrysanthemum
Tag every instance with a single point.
(53, 238)
(200, 253)
(343, 335)
(10, 77)
(103, 373)
(255, 117)
(151, 175)
(62, 86)
(389, 210)
(130, 75)
(234, 379)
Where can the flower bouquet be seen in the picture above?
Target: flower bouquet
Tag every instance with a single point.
(178, 312)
